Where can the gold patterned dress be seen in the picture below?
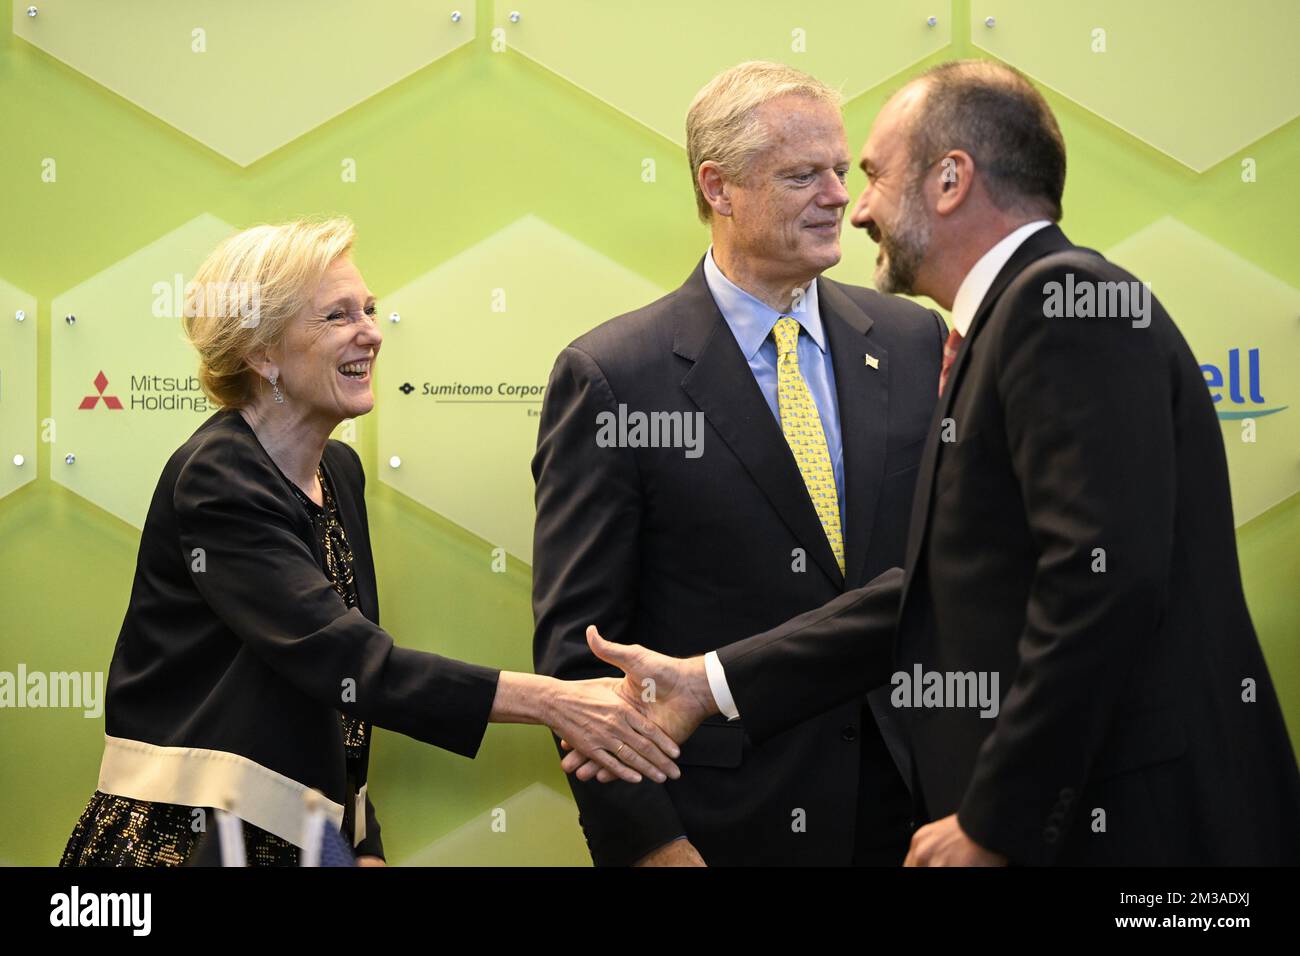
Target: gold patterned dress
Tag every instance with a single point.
(120, 831)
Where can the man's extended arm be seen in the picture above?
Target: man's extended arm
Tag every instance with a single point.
(777, 679)
(816, 661)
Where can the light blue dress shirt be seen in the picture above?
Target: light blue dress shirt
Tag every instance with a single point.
(751, 322)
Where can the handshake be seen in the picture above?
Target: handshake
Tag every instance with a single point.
(629, 728)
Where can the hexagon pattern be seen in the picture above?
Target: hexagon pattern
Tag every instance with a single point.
(18, 425)
(461, 375)
(245, 77)
(124, 389)
(649, 60)
(1197, 84)
(1241, 323)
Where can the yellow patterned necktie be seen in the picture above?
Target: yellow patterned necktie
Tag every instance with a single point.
(803, 430)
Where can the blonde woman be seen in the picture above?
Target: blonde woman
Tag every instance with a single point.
(251, 666)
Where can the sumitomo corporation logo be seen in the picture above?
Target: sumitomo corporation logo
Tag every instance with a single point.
(101, 383)
(480, 393)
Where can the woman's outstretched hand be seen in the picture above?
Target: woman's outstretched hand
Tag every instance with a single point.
(670, 693)
(596, 717)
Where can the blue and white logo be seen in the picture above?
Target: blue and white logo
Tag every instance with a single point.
(1235, 405)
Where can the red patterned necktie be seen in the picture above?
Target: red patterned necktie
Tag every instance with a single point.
(950, 348)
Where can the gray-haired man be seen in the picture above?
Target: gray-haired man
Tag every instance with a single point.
(813, 399)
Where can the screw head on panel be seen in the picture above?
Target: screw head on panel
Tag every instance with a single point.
(20, 315)
(455, 16)
(70, 458)
(989, 22)
(394, 317)
(31, 11)
(19, 460)
(394, 462)
(70, 319)
(931, 21)
(514, 16)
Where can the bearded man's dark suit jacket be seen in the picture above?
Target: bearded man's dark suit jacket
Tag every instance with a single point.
(685, 554)
(1124, 691)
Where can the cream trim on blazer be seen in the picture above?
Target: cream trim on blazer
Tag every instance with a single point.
(194, 777)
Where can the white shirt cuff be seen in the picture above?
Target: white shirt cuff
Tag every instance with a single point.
(718, 686)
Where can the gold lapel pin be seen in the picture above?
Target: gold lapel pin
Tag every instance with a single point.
(871, 361)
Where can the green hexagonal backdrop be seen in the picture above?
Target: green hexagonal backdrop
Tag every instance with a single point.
(516, 180)
(18, 425)
(460, 420)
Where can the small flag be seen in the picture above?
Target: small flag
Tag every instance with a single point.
(334, 850)
(871, 361)
(322, 844)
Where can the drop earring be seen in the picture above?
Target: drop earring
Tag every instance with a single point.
(275, 391)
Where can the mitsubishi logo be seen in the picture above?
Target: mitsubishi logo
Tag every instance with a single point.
(90, 401)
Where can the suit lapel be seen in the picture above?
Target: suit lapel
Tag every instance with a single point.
(862, 394)
(722, 385)
(1044, 242)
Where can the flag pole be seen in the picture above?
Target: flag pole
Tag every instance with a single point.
(313, 829)
(230, 832)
